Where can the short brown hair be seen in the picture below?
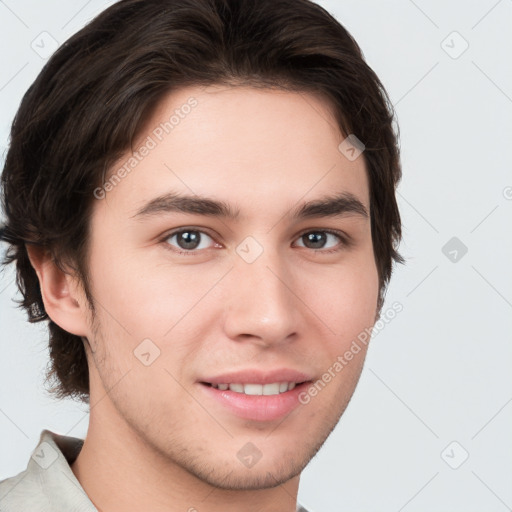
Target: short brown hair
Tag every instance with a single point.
(95, 93)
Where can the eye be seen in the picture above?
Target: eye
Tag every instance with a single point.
(188, 240)
(317, 239)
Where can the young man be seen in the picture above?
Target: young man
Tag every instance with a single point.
(200, 199)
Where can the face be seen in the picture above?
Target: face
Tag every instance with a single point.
(254, 291)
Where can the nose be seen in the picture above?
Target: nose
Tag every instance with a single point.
(262, 306)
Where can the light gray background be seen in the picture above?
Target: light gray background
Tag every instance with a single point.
(440, 371)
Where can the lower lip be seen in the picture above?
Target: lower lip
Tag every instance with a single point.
(257, 407)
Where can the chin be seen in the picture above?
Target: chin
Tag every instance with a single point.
(271, 471)
(251, 479)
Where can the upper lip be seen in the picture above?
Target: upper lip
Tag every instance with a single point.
(254, 376)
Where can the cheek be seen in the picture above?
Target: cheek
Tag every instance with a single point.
(347, 302)
(151, 300)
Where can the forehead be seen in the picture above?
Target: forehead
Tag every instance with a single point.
(256, 148)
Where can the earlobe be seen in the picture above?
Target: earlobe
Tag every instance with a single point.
(63, 301)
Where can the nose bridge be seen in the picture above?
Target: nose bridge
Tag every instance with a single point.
(261, 302)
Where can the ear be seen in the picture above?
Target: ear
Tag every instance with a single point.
(63, 298)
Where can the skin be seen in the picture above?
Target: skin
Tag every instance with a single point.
(155, 441)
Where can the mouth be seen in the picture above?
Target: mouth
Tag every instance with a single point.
(255, 401)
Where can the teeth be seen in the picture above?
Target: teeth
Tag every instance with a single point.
(271, 389)
(275, 388)
(253, 389)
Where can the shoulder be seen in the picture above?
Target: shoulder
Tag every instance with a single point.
(23, 492)
(48, 482)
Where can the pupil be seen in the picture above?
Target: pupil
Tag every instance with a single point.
(316, 238)
(191, 239)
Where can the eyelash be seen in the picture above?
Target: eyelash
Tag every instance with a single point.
(344, 240)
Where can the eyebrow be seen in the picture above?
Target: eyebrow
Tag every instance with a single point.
(337, 205)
